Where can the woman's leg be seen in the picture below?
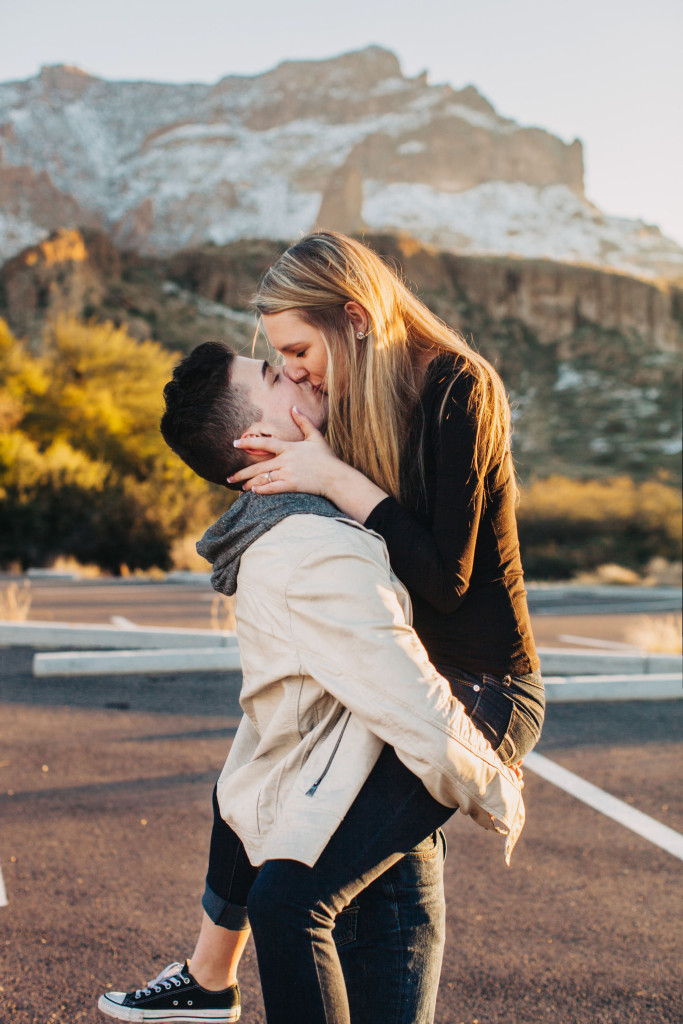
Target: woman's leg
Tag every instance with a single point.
(293, 908)
(225, 926)
(217, 955)
(229, 877)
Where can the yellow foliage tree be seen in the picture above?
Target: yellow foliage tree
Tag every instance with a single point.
(104, 395)
(84, 470)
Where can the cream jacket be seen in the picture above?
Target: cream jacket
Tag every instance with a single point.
(332, 671)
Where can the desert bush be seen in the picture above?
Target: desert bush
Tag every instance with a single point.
(84, 471)
(661, 635)
(568, 526)
(184, 555)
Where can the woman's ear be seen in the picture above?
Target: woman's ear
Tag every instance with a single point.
(360, 320)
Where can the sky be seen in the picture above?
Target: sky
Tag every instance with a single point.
(608, 72)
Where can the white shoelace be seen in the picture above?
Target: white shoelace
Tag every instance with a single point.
(169, 977)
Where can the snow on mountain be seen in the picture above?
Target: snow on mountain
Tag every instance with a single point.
(521, 220)
(346, 143)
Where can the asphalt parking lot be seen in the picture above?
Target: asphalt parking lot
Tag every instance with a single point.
(105, 809)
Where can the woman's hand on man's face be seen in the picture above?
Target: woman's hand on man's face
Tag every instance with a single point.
(308, 465)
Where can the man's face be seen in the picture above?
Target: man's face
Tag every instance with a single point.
(271, 391)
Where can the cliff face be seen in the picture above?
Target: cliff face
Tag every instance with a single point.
(349, 143)
(555, 300)
(60, 276)
(591, 359)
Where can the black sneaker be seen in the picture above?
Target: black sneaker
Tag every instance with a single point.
(173, 996)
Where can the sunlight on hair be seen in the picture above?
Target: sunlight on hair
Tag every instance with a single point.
(373, 384)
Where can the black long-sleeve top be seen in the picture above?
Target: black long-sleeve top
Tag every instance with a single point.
(457, 552)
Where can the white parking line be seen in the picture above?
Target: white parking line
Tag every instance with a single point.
(3, 893)
(642, 824)
(590, 641)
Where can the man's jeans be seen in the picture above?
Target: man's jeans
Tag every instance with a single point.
(390, 940)
(371, 917)
(358, 937)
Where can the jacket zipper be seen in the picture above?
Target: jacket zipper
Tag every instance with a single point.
(311, 791)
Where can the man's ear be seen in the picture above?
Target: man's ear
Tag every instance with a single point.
(255, 454)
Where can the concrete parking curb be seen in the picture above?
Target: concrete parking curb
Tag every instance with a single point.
(110, 663)
(567, 661)
(559, 689)
(569, 675)
(644, 686)
(64, 634)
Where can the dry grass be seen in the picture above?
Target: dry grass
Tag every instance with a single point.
(184, 555)
(657, 573)
(575, 526)
(66, 563)
(223, 612)
(660, 635)
(608, 575)
(15, 602)
(660, 573)
(153, 573)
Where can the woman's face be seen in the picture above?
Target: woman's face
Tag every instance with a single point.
(300, 345)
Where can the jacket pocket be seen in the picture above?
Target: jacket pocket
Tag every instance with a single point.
(312, 790)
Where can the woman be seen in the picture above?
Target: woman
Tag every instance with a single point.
(416, 448)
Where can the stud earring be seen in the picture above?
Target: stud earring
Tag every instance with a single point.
(360, 335)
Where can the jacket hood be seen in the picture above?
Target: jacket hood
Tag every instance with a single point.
(246, 520)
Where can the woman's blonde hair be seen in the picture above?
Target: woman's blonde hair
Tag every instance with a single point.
(373, 384)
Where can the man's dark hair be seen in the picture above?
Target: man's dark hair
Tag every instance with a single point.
(205, 413)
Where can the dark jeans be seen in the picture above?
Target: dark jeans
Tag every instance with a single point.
(508, 710)
(293, 908)
(389, 938)
(402, 942)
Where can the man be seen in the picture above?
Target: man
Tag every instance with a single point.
(344, 716)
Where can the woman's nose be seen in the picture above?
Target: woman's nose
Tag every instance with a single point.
(295, 373)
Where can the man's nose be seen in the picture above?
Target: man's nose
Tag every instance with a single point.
(295, 373)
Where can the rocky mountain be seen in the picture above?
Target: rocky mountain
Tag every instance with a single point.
(591, 358)
(349, 143)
